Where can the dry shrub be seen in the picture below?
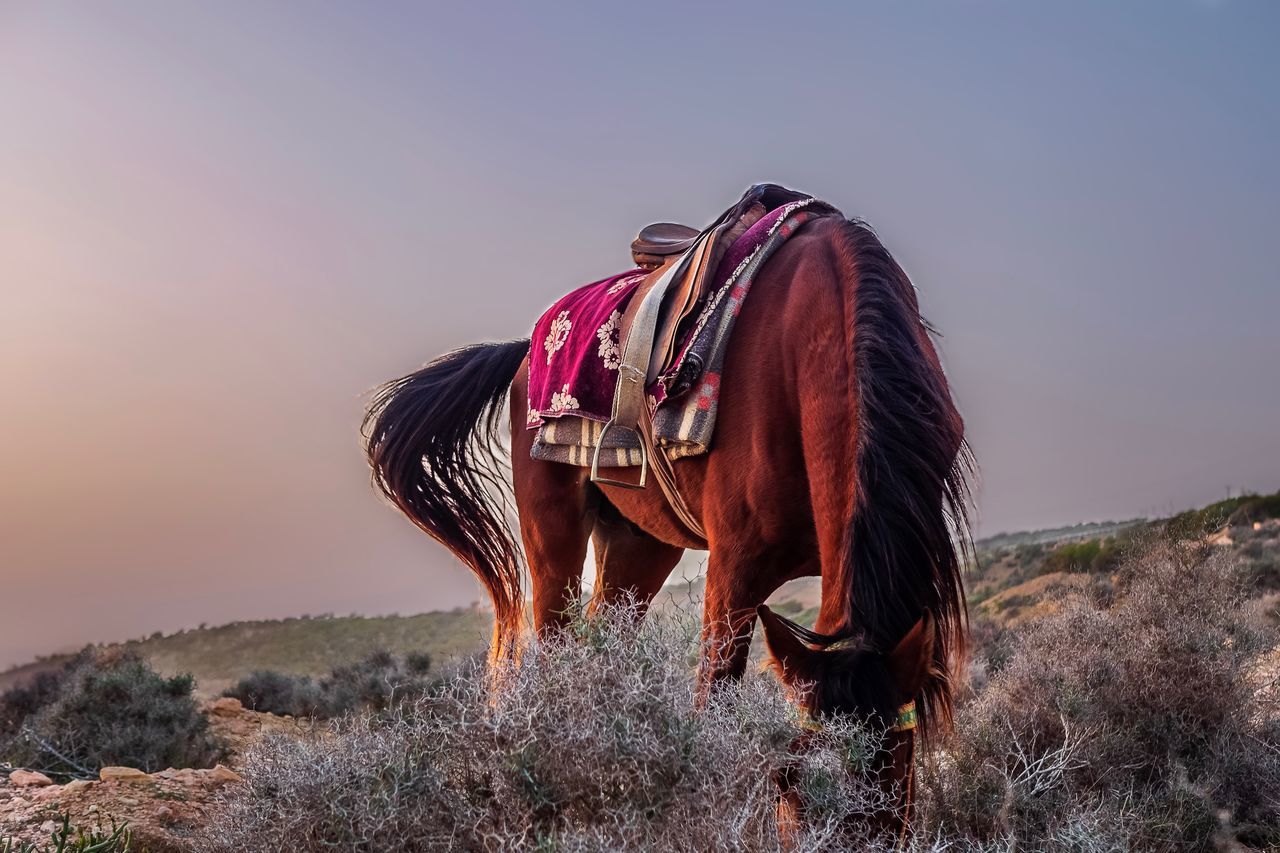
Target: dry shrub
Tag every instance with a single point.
(589, 743)
(1126, 719)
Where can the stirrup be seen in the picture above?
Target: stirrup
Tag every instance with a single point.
(595, 462)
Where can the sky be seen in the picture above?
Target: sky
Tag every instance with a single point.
(221, 224)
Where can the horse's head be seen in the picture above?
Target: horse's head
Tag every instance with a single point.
(878, 686)
(852, 677)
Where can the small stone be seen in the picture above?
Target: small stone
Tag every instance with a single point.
(93, 807)
(29, 779)
(129, 801)
(164, 815)
(48, 826)
(122, 774)
(226, 707)
(75, 786)
(221, 774)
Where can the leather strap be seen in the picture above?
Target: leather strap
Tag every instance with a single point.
(633, 368)
(630, 408)
(639, 359)
(664, 473)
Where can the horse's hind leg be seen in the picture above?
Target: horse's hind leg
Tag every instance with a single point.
(631, 565)
(557, 509)
(555, 525)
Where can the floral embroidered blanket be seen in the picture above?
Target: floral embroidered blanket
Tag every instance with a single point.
(575, 352)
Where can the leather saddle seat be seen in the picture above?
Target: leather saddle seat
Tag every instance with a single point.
(681, 262)
(661, 240)
(683, 289)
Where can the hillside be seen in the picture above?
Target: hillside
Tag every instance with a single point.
(1012, 572)
(218, 657)
(1015, 572)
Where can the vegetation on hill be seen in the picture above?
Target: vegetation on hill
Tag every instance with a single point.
(1233, 512)
(376, 683)
(1008, 563)
(105, 708)
(219, 657)
(66, 838)
(1128, 716)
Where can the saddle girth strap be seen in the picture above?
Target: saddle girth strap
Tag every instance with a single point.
(664, 473)
(631, 409)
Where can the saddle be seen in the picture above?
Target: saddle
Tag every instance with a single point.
(683, 263)
(659, 241)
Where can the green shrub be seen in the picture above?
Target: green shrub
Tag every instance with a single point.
(1029, 554)
(110, 708)
(279, 693)
(375, 683)
(67, 839)
(1237, 511)
(1256, 508)
(18, 703)
(1095, 556)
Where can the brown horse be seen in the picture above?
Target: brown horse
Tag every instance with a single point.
(838, 452)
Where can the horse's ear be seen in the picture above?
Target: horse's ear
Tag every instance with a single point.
(911, 659)
(792, 656)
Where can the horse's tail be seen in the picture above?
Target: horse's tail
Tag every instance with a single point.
(908, 537)
(431, 439)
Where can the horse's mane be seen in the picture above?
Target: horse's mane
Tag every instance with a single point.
(908, 538)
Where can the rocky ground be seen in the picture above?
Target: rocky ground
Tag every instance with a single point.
(162, 809)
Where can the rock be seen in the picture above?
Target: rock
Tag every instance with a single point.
(226, 707)
(122, 774)
(29, 779)
(163, 815)
(222, 775)
(75, 786)
(48, 826)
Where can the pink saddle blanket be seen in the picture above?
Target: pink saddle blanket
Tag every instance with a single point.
(575, 353)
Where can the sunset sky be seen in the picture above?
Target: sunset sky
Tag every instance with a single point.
(222, 223)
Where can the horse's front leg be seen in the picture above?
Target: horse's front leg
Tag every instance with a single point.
(735, 587)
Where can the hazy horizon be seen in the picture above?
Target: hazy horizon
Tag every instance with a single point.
(220, 226)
